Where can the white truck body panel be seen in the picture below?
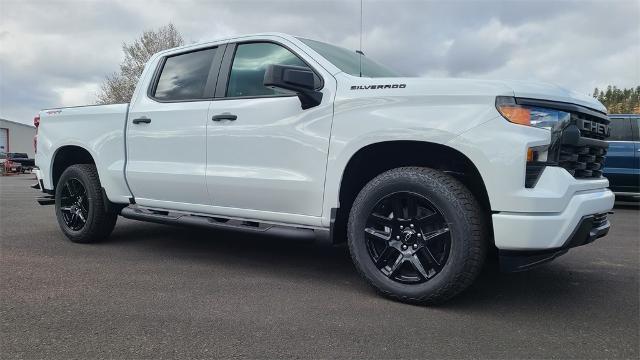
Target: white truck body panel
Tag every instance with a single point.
(171, 151)
(275, 160)
(97, 129)
(282, 164)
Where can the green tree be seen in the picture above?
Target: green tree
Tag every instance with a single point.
(118, 87)
(619, 101)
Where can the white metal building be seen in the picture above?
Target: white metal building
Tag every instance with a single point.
(16, 137)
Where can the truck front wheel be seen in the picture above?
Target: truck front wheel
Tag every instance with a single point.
(417, 235)
(80, 206)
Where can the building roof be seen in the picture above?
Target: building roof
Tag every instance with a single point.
(17, 123)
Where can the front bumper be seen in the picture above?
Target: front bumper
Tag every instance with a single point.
(548, 230)
(525, 240)
(590, 228)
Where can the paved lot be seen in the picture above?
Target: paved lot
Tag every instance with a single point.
(155, 291)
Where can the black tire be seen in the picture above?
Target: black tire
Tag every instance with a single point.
(98, 223)
(465, 225)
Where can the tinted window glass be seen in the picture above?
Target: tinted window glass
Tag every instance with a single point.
(249, 65)
(184, 76)
(349, 61)
(620, 130)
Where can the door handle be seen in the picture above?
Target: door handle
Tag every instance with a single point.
(141, 120)
(224, 117)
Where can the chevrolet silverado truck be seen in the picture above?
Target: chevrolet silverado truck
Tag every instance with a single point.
(423, 178)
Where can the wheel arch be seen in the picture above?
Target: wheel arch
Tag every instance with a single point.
(373, 159)
(68, 155)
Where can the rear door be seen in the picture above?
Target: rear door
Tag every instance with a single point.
(166, 131)
(620, 163)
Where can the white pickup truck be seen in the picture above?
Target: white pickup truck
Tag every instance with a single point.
(423, 178)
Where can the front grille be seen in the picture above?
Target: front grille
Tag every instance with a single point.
(583, 162)
(583, 149)
(591, 127)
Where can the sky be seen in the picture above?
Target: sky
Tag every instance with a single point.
(57, 52)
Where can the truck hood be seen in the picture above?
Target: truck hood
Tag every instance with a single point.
(457, 86)
(546, 91)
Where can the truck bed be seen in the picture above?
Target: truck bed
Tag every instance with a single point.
(100, 129)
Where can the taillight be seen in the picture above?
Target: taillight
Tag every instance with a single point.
(36, 123)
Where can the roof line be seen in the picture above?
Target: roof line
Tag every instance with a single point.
(225, 39)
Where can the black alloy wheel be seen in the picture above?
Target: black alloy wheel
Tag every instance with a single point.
(74, 204)
(407, 238)
(81, 208)
(417, 235)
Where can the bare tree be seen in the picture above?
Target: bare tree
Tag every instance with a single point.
(118, 87)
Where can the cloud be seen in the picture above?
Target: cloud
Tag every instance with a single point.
(57, 52)
(481, 50)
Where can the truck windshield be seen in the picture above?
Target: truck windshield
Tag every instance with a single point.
(349, 61)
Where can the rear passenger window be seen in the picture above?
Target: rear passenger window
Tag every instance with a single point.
(184, 76)
(249, 65)
(620, 130)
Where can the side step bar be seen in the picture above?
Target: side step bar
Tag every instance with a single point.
(182, 219)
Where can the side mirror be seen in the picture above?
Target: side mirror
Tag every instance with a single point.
(298, 79)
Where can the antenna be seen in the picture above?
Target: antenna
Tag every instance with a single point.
(360, 50)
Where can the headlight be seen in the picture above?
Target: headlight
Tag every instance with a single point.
(543, 118)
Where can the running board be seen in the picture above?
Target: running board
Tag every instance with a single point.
(135, 212)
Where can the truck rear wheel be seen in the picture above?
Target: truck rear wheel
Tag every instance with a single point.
(80, 206)
(417, 235)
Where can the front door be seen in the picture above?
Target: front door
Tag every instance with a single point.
(264, 152)
(166, 132)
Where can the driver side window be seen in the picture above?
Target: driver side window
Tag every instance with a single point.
(249, 65)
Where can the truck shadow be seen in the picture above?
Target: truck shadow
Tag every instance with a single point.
(551, 284)
(554, 284)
